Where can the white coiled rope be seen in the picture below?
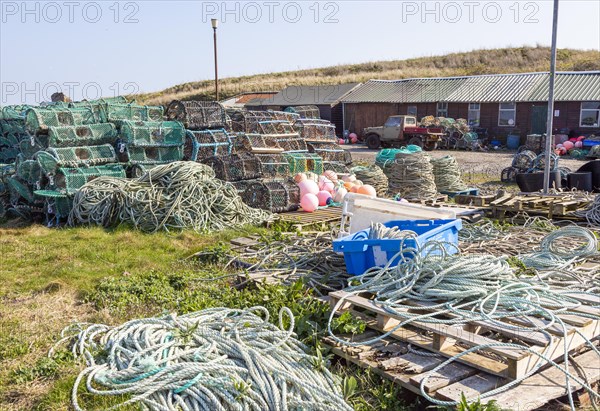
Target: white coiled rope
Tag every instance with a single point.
(215, 359)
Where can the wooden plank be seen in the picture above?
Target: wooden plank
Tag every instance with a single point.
(542, 387)
(447, 375)
(472, 387)
(412, 363)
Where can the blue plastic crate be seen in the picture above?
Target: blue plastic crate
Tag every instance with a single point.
(590, 143)
(360, 253)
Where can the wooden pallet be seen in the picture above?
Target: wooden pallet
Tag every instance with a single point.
(474, 200)
(467, 192)
(448, 341)
(440, 198)
(390, 359)
(550, 206)
(301, 219)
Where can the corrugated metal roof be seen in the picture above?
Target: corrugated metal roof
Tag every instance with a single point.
(575, 86)
(310, 95)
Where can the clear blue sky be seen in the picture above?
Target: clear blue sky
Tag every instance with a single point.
(165, 43)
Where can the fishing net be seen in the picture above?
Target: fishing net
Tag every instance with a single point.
(303, 162)
(198, 115)
(149, 155)
(12, 127)
(87, 156)
(276, 196)
(273, 165)
(316, 130)
(247, 121)
(86, 135)
(69, 180)
(29, 171)
(153, 133)
(14, 112)
(8, 154)
(39, 120)
(288, 142)
(207, 143)
(235, 167)
(134, 112)
(19, 191)
(246, 142)
(330, 152)
(305, 111)
(29, 146)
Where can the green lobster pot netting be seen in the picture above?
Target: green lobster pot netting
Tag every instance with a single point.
(288, 142)
(69, 180)
(276, 196)
(86, 135)
(207, 143)
(8, 154)
(149, 155)
(12, 127)
(29, 146)
(330, 152)
(273, 165)
(316, 130)
(246, 142)
(235, 167)
(29, 171)
(134, 112)
(198, 115)
(340, 168)
(19, 191)
(303, 162)
(305, 111)
(56, 203)
(39, 120)
(153, 133)
(16, 112)
(86, 156)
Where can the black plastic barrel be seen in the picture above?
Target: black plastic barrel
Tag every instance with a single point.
(580, 181)
(532, 182)
(594, 168)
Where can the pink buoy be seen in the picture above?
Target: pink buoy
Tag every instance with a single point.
(299, 177)
(341, 141)
(308, 187)
(323, 197)
(332, 175)
(354, 140)
(353, 136)
(568, 145)
(309, 202)
(326, 184)
(579, 144)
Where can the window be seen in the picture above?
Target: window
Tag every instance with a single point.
(411, 122)
(412, 111)
(474, 112)
(590, 114)
(393, 121)
(506, 116)
(442, 109)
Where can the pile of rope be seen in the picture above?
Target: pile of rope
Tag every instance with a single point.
(411, 176)
(447, 174)
(215, 359)
(168, 197)
(380, 231)
(592, 213)
(460, 289)
(374, 176)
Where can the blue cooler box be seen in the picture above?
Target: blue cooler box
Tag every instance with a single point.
(360, 253)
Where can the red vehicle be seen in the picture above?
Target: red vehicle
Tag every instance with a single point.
(401, 131)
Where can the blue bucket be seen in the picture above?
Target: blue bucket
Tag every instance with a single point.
(513, 142)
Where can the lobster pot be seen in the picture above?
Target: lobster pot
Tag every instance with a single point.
(54, 158)
(330, 152)
(14, 112)
(303, 162)
(39, 120)
(198, 115)
(153, 133)
(273, 165)
(150, 155)
(134, 112)
(19, 190)
(288, 142)
(309, 111)
(13, 126)
(69, 180)
(31, 145)
(246, 142)
(8, 154)
(207, 143)
(339, 168)
(316, 130)
(265, 122)
(276, 196)
(29, 171)
(235, 167)
(55, 202)
(87, 135)
(273, 127)
(535, 143)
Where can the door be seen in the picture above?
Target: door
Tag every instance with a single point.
(392, 128)
(539, 117)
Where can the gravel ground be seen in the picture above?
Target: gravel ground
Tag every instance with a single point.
(480, 169)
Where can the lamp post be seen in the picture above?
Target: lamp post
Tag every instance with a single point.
(551, 99)
(214, 23)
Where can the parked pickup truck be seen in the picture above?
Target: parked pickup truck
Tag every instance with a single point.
(401, 131)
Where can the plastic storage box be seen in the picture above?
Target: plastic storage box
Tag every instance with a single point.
(361, 253)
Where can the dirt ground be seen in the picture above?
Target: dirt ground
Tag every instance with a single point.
(481, 169)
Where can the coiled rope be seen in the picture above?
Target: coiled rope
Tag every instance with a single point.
(174, 196)
(447, 174)
(411, 176)
(215, 359)
(592, 213)
(459, 289)
(374, 176)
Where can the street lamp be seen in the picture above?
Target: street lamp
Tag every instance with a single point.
(549, 124)
(214, 23)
